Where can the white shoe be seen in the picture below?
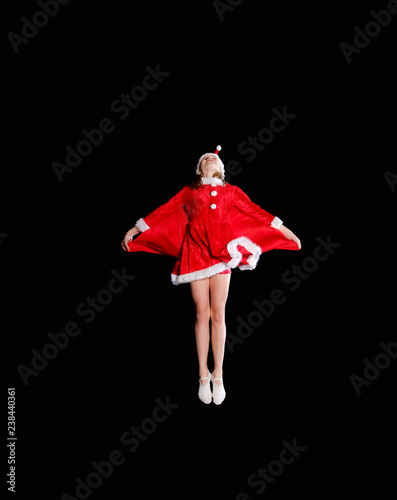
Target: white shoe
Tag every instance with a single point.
(218, 391)
(204, 392)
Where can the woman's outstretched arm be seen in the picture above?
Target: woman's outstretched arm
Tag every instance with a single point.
(156, 217)
(128, 237)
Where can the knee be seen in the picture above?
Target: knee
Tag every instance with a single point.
(218, 313)
(202, 314)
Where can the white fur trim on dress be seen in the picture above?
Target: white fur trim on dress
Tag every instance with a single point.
(212, 180)
(276, 222)
(236, 257)
(252, 247)
(141, 225)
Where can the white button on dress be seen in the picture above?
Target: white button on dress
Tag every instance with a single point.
(213, 193)
(213, 206)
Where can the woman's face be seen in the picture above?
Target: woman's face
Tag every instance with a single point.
(209, 165)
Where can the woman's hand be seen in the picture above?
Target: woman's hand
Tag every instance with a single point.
(290, 235)
(128, 237)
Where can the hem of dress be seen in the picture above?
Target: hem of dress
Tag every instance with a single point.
(235, 260)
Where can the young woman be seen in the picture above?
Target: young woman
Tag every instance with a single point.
(211, 227)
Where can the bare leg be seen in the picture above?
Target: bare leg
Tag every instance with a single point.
(219, 288)
(200, 294)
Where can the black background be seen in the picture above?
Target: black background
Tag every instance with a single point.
(323, 175)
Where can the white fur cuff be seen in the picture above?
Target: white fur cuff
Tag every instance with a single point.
(276, 222)
(141, 225)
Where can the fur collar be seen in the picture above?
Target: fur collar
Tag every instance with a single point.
(211, 180)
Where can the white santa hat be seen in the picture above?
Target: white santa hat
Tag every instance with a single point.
(218, 148)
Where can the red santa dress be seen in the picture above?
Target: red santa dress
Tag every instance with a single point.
(210, 230)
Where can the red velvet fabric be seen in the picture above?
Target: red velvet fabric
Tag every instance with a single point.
(187, 228)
